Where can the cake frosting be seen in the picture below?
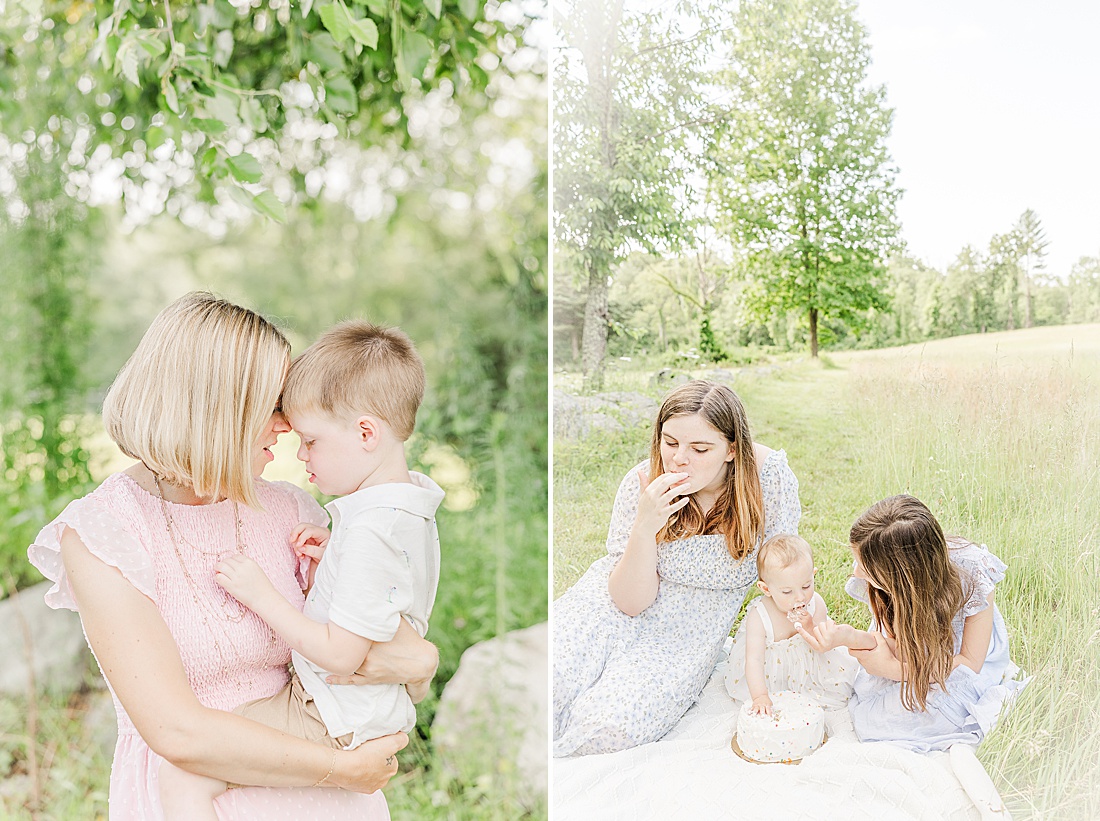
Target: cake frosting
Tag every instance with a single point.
(795, 728)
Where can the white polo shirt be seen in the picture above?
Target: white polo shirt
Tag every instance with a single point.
(381, 565)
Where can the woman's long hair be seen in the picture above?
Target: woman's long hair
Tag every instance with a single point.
(738, 512)
(916, 592)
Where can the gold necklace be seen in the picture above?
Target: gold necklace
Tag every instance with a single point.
(238, 610)
(206, 608)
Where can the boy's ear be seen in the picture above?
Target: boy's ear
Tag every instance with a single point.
(763, 588)
(369, 430)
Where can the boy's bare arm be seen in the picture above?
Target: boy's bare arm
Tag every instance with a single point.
(326, 645)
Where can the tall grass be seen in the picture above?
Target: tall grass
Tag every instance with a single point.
(1004, 448)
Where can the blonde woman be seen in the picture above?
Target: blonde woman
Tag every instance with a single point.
(197, 407)
(637, 637)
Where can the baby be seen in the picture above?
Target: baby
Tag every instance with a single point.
(352, 397)
(768, 654)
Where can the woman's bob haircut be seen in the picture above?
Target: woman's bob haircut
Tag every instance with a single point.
(194, 398)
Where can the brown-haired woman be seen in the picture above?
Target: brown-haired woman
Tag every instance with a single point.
(937, 672)
(637, 637)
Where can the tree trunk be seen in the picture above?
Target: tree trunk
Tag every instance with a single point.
(1027, 296)
(594, 336)
(813, 333)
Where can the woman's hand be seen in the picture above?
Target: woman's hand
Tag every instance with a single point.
(368, 767)
(824, 636)
(879, 661)
(659, 500)
(405, 659)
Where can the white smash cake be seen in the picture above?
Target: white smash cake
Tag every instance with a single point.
(794, 730)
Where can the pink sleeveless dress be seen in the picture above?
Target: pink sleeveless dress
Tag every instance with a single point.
(230, 657)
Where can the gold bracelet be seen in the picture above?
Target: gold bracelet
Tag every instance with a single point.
(330, 769)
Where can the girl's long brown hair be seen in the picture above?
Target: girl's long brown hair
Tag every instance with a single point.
(901, 546)
(738, 513)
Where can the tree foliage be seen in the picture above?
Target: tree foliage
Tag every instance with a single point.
(627, 90)
(243, 99)
(799, 169)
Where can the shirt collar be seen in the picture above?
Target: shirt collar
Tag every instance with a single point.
(421, 498)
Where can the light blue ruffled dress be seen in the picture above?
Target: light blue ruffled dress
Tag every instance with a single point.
(621, 681)
(972, 702)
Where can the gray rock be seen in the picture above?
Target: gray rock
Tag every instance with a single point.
(36, 637)
(667, 378)
(493, 714)
(576, 417)
(723, 376)
(101, 723)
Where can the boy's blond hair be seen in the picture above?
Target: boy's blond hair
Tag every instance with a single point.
(195, 396)
(782, 550)
(358, 368)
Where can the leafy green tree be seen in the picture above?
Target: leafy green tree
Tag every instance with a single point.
(799, 171)
(626, 93)
(1083, 289)
(1032, 255)
(46, 264)
(1003, 261)
(216, 99)
(965, 299)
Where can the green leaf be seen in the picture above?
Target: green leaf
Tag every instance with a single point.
(245, 167)
(209, 157)
(377, 7)
(210, 126)
(154, 137)
(253, 114)
(307, 6)
(324, 52)
(151, 43)
(268, 204)
(223, 106)
(416, 52)
(126, 60)
(469, 8)
(335, 18)
(341, 95)
(435, 7)
(364, 31)
(170, 98)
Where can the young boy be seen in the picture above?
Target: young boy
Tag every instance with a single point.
(352, 397)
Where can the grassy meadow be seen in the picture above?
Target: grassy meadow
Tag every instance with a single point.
(1000, 435)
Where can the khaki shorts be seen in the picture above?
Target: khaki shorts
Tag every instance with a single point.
(293, 711)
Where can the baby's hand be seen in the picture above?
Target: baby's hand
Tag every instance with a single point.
(761, 705)
(800, 615)
(309, 540)
(243, 579)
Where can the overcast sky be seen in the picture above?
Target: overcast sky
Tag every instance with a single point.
(997, 109)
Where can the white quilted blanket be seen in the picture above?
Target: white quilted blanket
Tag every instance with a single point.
(692, 773)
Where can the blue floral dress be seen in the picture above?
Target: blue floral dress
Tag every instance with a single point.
(971, 703)
(620, 681)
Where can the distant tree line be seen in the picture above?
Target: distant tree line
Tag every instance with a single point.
(654, 304)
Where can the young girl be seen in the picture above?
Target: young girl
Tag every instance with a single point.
(768, 653)
(937, 672)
